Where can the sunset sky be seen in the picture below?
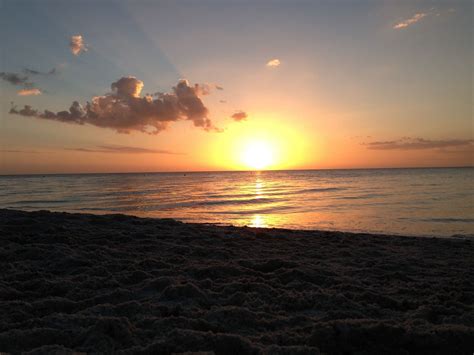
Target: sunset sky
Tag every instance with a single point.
(245, 84)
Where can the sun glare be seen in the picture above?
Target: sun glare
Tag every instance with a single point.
(264, 143)
(258, 155)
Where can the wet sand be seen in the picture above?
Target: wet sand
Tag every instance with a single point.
(121, 284)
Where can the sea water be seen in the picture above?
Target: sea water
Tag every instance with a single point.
(425, 202)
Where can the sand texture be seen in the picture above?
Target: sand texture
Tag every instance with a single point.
(120, 284)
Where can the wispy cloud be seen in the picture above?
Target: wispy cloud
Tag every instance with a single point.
(123, 149)
(16, 79)
(239, 116)
(273, 63)
(412, 20)
(15, 151)
(125, 110)
(30, 71)
(408, 143)
(29, 92)
(77, 45)
(22, 81)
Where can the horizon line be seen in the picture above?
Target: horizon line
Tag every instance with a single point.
(236, 171)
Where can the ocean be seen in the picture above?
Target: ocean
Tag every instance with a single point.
(421, 202)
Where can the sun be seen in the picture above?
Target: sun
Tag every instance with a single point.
(264, 143)
(258, 155)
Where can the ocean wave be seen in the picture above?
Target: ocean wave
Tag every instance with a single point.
(258, 211)
(34, 202)
(421, 202)
(448, 220)
(360, 197)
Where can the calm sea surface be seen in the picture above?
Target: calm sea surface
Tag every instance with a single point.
(400, 201)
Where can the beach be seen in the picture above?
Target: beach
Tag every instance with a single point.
(123, 284)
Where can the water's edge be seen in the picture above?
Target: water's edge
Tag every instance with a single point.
(260, 230)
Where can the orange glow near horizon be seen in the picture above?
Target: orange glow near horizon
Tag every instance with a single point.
(259, 145)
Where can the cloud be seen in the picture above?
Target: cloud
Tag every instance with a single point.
(206, 89)
(30, 71)
(19, 151)
(29, 92)
(412, 20)
(127, 87)
(77, 45)
(125, 110)
(239, 116)
(273, 63)
(15, 79)
(408, 143)
(23, 80)
(123, 149)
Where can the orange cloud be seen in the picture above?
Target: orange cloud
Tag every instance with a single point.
(239, 116)
(77, 45)
(29, 92)
(414, 19)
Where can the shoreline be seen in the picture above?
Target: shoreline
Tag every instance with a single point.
(290, 230)
(119, 283)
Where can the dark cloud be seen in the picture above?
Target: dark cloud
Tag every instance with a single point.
(22, 81)
(125, 110)
(239, 116)
(123, 149)
(30, 71)
(16, 79)
(408, 143)
(206, 89)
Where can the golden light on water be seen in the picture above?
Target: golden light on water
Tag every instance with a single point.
(258, 221)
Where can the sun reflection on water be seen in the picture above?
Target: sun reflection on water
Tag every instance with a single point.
(258, 221)
(259, 185)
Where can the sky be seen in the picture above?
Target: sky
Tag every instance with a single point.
(134, 86)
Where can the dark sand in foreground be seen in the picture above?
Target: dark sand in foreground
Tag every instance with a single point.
(113, 284)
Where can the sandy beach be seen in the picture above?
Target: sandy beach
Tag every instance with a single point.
(121, 284)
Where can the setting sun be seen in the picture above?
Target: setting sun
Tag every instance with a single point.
(258, 155)
(266, 143)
